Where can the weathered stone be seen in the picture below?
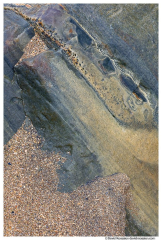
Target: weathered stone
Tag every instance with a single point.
(98, 95)
(129, 31)
(17, 33)
(103, 71)
(121, 30)
(39, 105)
(54, 89)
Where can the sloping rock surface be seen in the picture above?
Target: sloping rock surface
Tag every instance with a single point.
(113, 63)
(54, 91)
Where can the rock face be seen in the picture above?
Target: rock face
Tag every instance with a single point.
(70, 102)
(93, 96)
(46, 107)
(129, 31)
(17, 33)
(101, 65)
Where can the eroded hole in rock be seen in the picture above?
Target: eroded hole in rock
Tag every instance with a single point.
(83, 38)
(132, 86)
(106, 65)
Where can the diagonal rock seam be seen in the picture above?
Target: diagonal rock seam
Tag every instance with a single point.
(59, 40)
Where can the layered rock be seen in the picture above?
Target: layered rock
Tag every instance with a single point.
(95, 99)
(89, 54)
(129, 32)
(55, 92)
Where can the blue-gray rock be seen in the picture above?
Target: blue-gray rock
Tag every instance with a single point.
(17, 33)
(13, 109)
(129, 31)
